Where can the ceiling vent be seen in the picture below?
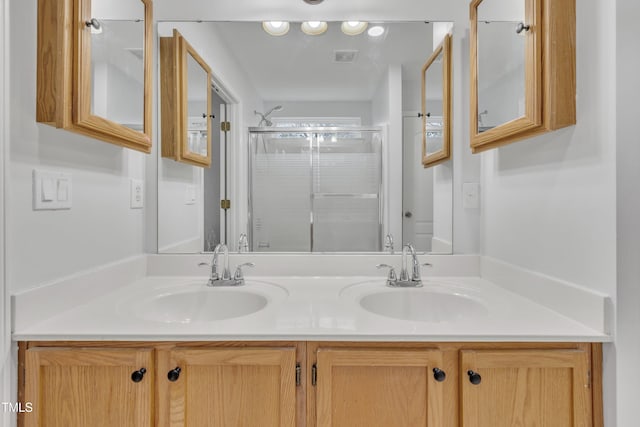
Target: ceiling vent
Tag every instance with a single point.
(345, 56)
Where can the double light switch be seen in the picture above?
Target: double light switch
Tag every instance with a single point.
(51, 190)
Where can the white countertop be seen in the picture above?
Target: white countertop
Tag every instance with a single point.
(312, 308)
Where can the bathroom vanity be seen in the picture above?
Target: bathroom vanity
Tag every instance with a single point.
(307, 351)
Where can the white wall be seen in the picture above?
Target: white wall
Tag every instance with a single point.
(175, 177)
(360, 109)
(100, 227)
(254, 10)
(386, 111)
(628, 209)
(5, 332)
(549, 203)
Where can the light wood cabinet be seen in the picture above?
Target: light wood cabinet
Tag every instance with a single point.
(185, 99)
(78, 387)
(380, 387)
(523, 70)
(311, 384)
(506, 388)
(94, 74)
(227, 387)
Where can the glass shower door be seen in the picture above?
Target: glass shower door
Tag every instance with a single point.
(346, 194)
(280, 185)
(315, 190)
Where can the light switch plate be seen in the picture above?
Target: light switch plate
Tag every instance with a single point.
(51, 190)
(471, 195)
(137, 194)
(190, 195)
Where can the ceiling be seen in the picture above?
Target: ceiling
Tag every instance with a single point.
(298, 67)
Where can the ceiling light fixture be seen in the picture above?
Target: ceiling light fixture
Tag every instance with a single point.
(276, 28)
(353, 28)
(314, 28)
(376, 31)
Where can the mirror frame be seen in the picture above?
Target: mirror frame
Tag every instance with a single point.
(444, 154)
(532, 119)
(174, 53)
(63, 95)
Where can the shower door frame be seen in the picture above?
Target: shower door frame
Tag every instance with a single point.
(314, 132)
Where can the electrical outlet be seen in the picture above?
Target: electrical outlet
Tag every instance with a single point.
(137, 194)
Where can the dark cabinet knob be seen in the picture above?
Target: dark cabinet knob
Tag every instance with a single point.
(174, 374)
(136, 376)
(474, 377)
(439, 374)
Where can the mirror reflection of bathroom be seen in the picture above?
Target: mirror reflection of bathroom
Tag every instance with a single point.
(323, 149)
(501, 62)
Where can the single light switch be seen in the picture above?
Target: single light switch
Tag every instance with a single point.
(63, 190)
(47, 189)
(190, 195)
(471, 195)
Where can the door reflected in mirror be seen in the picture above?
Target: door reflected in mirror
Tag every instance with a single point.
(317, 145)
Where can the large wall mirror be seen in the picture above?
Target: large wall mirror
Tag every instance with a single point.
(316, 142)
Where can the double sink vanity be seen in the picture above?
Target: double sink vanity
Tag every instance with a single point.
(300, 349)
(309, 339)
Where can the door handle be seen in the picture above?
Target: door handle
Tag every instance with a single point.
(408, 214)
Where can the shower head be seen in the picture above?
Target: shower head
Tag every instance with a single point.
(276, 108)
(265, 117)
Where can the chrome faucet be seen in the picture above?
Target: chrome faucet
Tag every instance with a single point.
(243, 243)
(224, 279)
(388, 243)
(406, 279)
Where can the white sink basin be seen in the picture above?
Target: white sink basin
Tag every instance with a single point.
(199, 303)
(423, 305)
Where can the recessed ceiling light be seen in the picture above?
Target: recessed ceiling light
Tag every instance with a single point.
(314, 28)
(376, 31)
(353, 28)
(276, 28)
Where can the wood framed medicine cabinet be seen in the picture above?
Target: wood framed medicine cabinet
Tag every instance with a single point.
(185, 102)
(436, 114)
(94, 72)
(523, 70)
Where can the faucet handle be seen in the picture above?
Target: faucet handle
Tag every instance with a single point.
(238, 274)
(392, 270)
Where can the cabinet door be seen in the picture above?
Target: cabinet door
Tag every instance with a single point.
(379, 388)
(228, 387)
(71, 387)
(526, 388)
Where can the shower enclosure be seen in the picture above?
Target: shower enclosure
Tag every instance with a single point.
(315, 189)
